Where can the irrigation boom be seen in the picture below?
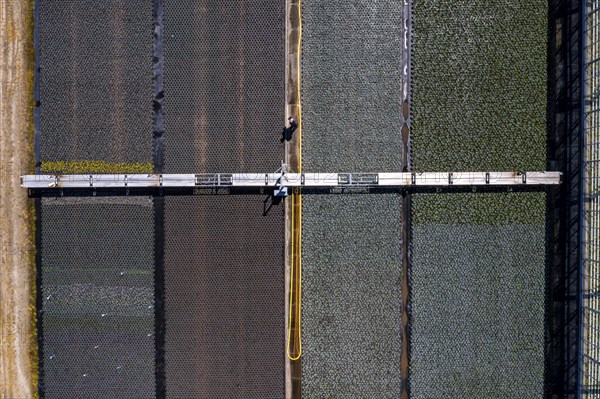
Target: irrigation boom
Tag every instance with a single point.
(281, 180)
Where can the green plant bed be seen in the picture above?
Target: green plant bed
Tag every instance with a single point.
(96, 167)
(478, 85)
(494, 209)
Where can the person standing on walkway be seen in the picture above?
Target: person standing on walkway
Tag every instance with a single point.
(293, 123)
(288, 131)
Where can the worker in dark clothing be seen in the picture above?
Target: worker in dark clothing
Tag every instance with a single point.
(288, 131)
(293, 123)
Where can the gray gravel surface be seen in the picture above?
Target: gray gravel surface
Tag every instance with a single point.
(95, 66)
(351, 85)
(351, 293)
(477, 296)
(98, 298)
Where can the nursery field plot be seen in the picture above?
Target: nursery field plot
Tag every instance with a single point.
(96, 80)
(478, 295)
(98, 297)
(351, 85)
(351, 295)
(224, 262)
(224, 297)
(478, 85)
(224, 85)
(351, 244)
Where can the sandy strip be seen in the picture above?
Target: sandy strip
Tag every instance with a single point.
(18, 353)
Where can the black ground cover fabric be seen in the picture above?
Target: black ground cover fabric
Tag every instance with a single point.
(98, 297)
(96, 80)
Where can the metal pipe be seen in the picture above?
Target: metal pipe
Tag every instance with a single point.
(582, 192)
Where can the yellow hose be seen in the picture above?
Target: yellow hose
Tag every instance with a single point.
(297, 200)
(295, 269)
